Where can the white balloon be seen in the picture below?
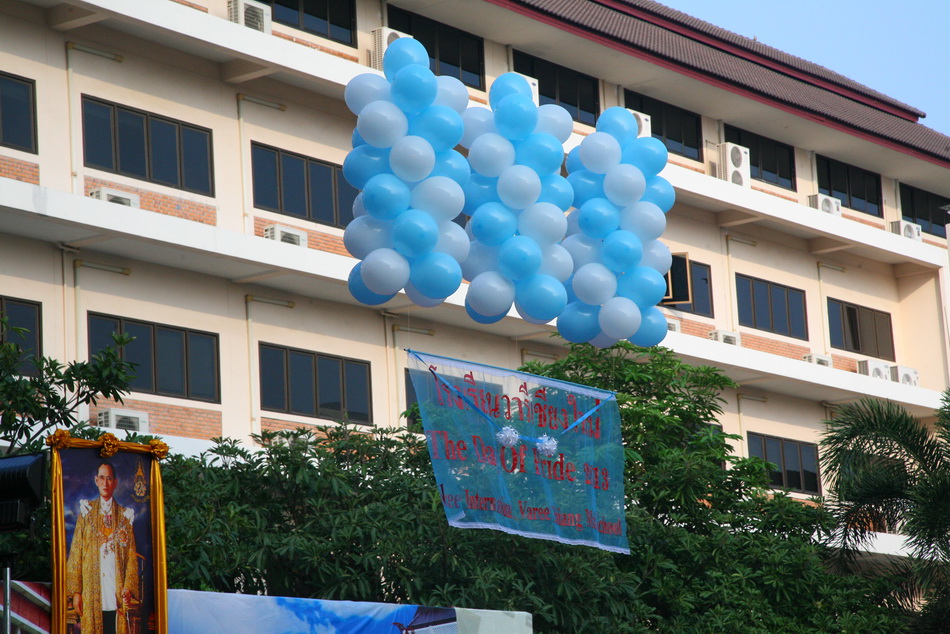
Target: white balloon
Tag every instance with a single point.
(657, 256)
(594, 284)
(480, 259)
(419, 299)
(528, 318)
(476, 121)
(452, 93)
(491, 154)
(491, 293)
(602, 340)
(358, 208)
(382, 123)
(412, 158)
(624, 184)
(643, 219)
(583, 250)
(365, 234)
(545, 223)
(454, 241)
(599, 152)
(519, 186)
(556, 121)
(384, 271)
(557, 262)
(619, 317)
(440, 196)
(364, 89)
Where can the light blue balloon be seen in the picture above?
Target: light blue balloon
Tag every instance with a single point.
(660, 193)
(452, 93)
(384, 271)
(652, 328)
(624, 184)
(542, 297)
(527, 317)
(553, 119)
(519, 186)
(602, 340)
(557, 190)
(439, 125)
(414, 88)
(363, 163)
(365, 89)
(647, 153)
(493, 223)
(491, 154)
(411, 158)
(516, 117)
(482, 319)
(381, 123)
(366, 234)
(619, 317)
(586, 185)
(644, 219)
(490, 293)
(519, 258)
(478, 191)
(476, 121)
(403, 52)
(506, 85)
(645, 286)
(594, 283)
(355, 139)
(440, 196)
(583, 249)
(481, 258)
(452, 165)
(621, 251)
(542, 222)
(619, 123)
(598, 218)
(573, 161)
(359, 291)
(436, 275)
(578, 323)
(385, 196)
(421, 300)
(415, 233)
(541, 152)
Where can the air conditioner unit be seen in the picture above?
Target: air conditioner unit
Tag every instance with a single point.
(287, 235)
(907, 229)
(819, 359)
(875, 369)
(124, 419)
(115, 196)
(250, 13)
(904, 375)
(672, 325)
(643, 121)
(827, 204)
(382, 38)
(726, 336)
(734, 164)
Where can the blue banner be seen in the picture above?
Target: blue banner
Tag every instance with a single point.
(521, 453)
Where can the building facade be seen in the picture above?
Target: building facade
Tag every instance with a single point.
(171, 169)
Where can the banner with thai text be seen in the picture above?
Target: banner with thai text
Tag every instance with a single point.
(521, 453)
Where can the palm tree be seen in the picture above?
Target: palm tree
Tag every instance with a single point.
(890, 472)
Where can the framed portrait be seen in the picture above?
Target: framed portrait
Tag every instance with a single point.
(108, 536)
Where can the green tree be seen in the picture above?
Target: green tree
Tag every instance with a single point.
(891, 473)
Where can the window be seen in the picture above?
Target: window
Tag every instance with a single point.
(769, 160)
(302, 187)
(17, 113)
(146, 146)
(318, 385)
(169, 361)
(451, 51)
(859, 329)
(695, 278)
(796, 462)
(24, 314)
(578, 94)
(926, 209)
(856, 188)
(680, 130)
(332, 19)
(769, 306)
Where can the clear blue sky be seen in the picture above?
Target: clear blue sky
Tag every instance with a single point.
(901, 49)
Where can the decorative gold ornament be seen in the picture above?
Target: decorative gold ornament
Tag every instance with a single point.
(110, 445)
(159, 449)
(59, 439)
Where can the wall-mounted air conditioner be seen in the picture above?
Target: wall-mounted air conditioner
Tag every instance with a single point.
(672, 325)
(827, 204)
(124, 419)
(287, 235)
(875, 369)
(115, 196)
(904, 375)
(819, 359)
(250, 13)
(643, 121)
(726, 336)
(907, 229)
(733, 164)
(382, 38)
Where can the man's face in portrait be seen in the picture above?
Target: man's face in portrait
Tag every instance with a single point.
(106, 481)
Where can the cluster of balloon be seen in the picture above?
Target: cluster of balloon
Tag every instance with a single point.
(598, 270)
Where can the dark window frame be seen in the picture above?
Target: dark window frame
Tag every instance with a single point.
(925, 208)
(663, 117)
(755, 310)
(25, 366)
(302, 14)
(761, 150)
(528, 64)
(857, 179)
(149, 168)
(696, 271)
(782, 470)
(33, 147)
(846, 330)
(400, 18)
(186, 361)
(316, 356)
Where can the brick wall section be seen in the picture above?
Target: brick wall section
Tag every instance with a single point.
(192, 5)
(323, 49)
(273, 424)
(776, 194)
(878, 224)
(695, 328)
(844, 363)
(19, 170)
(774, 346)
(315, 239)
(161, 203)
(173, 420)
(942, 245)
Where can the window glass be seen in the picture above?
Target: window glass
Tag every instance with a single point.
(760, 304)
(196, 159)
(321, 192)
(859, 329)
(680, 130)
(702, 289)
(796, 309)
(302, 383)
(293, 185)
(772, 307)
(744, 300)
(25, 315)
(286, 11)
(315, 18)
(203, 366)
(264, 166)
(17, 112)
(170, 361)
(163, 143)
(346, 194)
(575, 92)
(773, 454)
(780, 313)
(139, 352)
(330, 387)
(926, 209)
(856, 188)
(328, 18)
(796, 462)
(273, 378)
(793, 470)
(809, 468)
(97, 135)
(357, 391)
(452, 52)
(131, 144)
(100, 333)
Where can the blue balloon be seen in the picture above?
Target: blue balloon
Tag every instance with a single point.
(403, 52)
(647, 153)
(660, 193)
(478, 191)
(578, 323)
(359, 291)
(493, 223)
(356, 140)
(414, 88)
(619, 123)
(519, 258)
(621, 251)
(436, 275)
(572, 162)
(652, 328)
(557, 190)
(363, 163)
(439, 125)
(541, 152)
(385, 196)
(542, 297)
(482, 319)
(516, 117)
(598, 218)
(586, 185)
(645, 286)
(415, 233)
(506, 85)
(452, 165)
